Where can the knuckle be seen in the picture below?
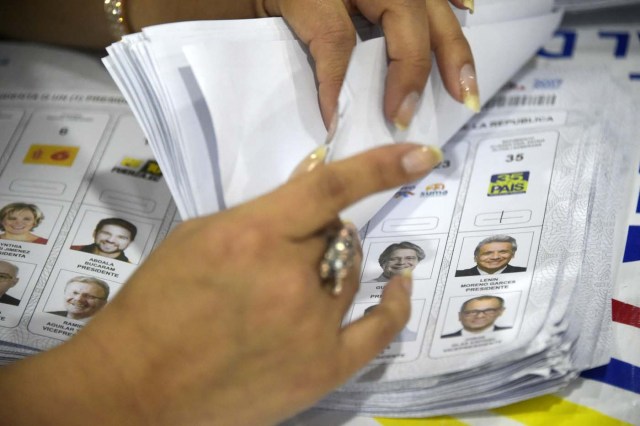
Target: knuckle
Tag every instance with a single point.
(385, 173)
(246, 241)
(332, 49)
(420, 62)
(339, 33)
(416, 62)
(334, 187)
(449, 40)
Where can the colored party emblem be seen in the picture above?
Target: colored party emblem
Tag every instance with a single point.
(51, 155)
(508, 184)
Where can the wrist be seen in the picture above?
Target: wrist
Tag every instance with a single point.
(144, 13)
(72, 384)
(117, 19)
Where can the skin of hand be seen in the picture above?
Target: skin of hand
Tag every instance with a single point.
(413, 28)
(227, 322)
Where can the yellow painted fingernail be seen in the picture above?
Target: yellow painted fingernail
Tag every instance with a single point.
(422, 159)
(469, 88)
(333, 126)
(407, 280)
(468, 4)
(406, 111)
(311, 161)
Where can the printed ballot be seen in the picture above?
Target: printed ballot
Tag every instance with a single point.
(496, 236)
(508, 239)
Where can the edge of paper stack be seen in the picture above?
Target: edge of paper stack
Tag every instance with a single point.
(225, 129)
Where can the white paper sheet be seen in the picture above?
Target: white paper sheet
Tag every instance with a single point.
(261, 97)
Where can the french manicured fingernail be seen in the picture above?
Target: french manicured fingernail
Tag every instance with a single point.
(422, 160)
(407, 280)
(468, 4)
(469, 88)
(406, 111)
(311, 161)
(331, 131)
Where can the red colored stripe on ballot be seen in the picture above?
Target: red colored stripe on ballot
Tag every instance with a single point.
(625, 313)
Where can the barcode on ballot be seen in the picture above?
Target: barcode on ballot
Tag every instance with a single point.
(501, 101)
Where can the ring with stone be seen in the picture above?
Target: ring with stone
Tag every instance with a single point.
(338, 258)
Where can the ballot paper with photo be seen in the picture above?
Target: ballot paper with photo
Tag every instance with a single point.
(561, 164)
(251, 58)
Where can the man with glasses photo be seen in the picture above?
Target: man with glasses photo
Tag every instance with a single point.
(8, 279)
(83, 297)
(478, 316)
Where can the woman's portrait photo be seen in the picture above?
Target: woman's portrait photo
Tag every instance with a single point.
(17, 220)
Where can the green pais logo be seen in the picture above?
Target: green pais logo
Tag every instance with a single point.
(508, 184)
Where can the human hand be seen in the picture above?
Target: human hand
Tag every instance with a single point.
(228, 322)
(412, 29)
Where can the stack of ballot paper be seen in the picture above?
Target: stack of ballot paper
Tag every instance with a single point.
(230, 108)
(582, 5)
(547, 168)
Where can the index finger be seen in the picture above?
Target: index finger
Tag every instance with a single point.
(310, 202)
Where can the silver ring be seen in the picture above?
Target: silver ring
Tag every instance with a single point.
(338, 258)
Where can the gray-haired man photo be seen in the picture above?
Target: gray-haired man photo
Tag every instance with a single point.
(492, 256)
(397, 257)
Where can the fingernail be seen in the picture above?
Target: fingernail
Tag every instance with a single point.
(406, 111)
(421, 160)
(311, 161)
(331, 131)
(468, 4)
(407, 280)
(469, 88)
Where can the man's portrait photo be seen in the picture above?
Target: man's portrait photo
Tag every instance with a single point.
(83, 297)
(492, 256)
(8, 279)
(397, 258)
(478, 316)
(111, 237)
